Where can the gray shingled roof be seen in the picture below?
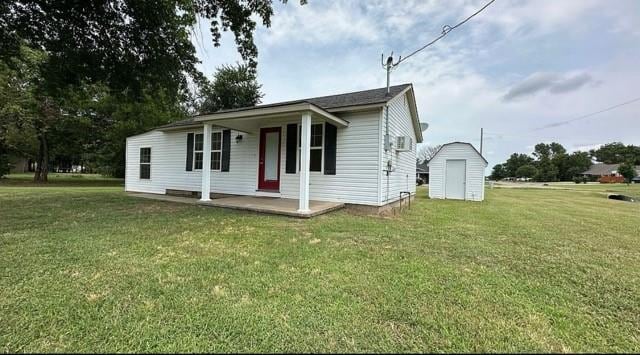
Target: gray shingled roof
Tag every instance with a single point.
(600, 169)
(358, 98)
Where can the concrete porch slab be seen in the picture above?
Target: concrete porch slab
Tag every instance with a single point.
(282, 206)
(271, 205)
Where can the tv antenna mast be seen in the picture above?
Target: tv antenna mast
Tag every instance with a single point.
(389, 65)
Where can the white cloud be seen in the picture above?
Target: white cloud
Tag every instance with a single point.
(554, 83)
(319, 24)
(330, 47)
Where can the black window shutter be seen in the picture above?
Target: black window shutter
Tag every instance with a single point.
(189, 151)
(292, 148)
(330, 137)
(226, 149)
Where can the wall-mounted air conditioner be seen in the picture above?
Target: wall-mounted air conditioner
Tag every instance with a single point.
(403, 143)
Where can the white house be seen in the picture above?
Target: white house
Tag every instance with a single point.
(457, 172)
(329, 148)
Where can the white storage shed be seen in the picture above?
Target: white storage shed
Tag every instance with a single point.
(457, 172)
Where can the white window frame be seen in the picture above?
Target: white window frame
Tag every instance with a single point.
(217, 150)
(195, 138)
(144, 163)
(212, 150)
(321, 148)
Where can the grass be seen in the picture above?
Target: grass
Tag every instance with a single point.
(91, 269)
(628, 189)
(61, 179)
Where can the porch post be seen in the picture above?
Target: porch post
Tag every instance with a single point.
(206, 163)
(305, 147)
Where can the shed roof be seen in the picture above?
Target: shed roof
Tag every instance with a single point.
(469, 144)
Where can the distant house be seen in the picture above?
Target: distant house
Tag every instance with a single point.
(599, 170)
(422, 172)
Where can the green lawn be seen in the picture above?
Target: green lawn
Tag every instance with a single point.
(630, 189)
(61, 179)
(91, 269)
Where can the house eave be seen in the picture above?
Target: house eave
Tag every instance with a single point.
(268, 112)
(355, 108)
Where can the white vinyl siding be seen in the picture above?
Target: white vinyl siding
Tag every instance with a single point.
(356, 179)
(403, 171)
(475, 170)
(357, 155)
(169, 165)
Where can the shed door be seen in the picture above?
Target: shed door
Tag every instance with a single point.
(456, 176)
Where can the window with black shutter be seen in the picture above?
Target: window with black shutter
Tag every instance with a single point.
(330, 142)
(292, 149)
(189, 166)
(226, 149)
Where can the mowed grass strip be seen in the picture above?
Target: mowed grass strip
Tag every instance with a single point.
(92, 269)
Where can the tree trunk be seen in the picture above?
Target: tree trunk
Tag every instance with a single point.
(42, 170)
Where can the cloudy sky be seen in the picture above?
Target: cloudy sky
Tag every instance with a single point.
(519, 69)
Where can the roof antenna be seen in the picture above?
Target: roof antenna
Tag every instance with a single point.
(388, 66)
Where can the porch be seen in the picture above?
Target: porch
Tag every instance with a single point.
(278, 163)
(270, 205)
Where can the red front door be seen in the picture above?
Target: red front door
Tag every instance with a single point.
(269, 160)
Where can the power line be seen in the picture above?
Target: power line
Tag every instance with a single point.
(445, 31)
(562, 123)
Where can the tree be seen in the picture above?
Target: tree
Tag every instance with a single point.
(426, 152)
(526, 171)
(136, 49)
(515, 161)
(127, 43)
(232, 87)
(21, 104)
(574, 164)
(616, 153)
(126, 118)
(548, 157)
(628, 171)
(499, 172)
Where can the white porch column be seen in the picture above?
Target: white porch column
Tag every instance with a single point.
(206, 163)
(305, 147)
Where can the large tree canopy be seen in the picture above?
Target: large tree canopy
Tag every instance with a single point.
(126, 43)
(138, 54)
(514, 162)
(617, 152)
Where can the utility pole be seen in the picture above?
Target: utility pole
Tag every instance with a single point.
(481, 138)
